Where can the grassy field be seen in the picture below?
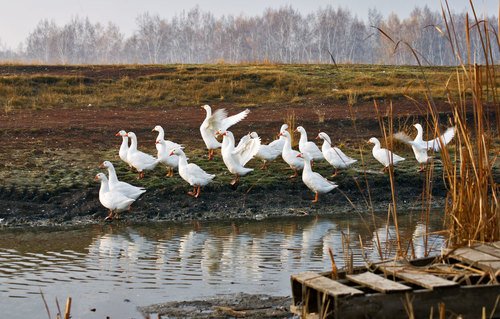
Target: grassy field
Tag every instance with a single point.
(40, 86)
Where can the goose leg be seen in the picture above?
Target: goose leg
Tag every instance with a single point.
(210, 154)
(316, 197)
(110, 216)
(193, 193)
(197, 191)
(334, 172)
(422, 168)
(295, 173)
(236, 180)
(141, 175)
(264, 165)
(170, 172)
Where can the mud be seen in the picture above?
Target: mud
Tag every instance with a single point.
(229, 306)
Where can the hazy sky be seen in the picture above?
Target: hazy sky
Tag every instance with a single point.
(19, 17)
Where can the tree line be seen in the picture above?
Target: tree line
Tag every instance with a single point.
(328, 35)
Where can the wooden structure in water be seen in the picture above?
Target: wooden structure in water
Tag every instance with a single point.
(464, 281)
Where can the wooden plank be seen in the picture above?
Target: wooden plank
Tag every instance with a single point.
(324, 284)
(477, 258)
(489, 249)
(418, 277)
(466, 302)
(332, 287)
(377, 283)
(304, 276)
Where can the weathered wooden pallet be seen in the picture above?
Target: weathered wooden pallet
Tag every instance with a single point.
(465, 281)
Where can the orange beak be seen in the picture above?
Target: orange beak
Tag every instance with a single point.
(317, 137)
(101, 165)
(171, 153)
(299, 155)
(96, 178)
(117, 134)
(157, 142)
(281, 134)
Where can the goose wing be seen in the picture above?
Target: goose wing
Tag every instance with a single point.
(214, 122)
(440, 142)
(247, 150)
(227, 122)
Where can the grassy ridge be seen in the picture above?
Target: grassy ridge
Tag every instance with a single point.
(39, 86)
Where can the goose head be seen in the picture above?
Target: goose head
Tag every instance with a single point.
(131, 135)
(254, 135)
(304, 156)
(300, 129)
(285, 134)
(157, 128)
(177, 151)
(325, 137)
(100, 177)
(105, 164)
(374, 140)
(207, 108)
(121, 133)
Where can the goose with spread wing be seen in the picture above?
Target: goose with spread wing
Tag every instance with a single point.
(217, 121)
(420, 147)
(236, 158)
(334, 155)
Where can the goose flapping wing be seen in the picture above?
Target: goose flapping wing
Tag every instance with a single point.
(227, 122)
(247, 149)
(214, 122)
(440, 142)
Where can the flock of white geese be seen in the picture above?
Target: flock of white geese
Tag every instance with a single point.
(117, 196)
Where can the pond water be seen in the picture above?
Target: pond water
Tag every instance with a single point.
(109, 270)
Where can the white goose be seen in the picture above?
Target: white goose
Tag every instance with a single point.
(137, 159)
(290, 156)
(308, 147)
(164, 156)
(113, 200)
(420, 147)
(266, 153)
(218, 121)
(280, 142)
(236, 158)
(314, 181)
(191, 172)
(126, 189)
(383, 155)
(124, 146)
(334, 155)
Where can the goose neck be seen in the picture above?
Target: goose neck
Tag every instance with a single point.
(112, 174)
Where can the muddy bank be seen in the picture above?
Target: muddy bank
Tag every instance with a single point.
(359, 192)
(227, 306)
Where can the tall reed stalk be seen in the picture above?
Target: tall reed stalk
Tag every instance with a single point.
(472, 210)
